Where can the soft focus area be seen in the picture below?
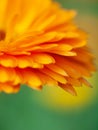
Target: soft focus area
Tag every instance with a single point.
(53, 108)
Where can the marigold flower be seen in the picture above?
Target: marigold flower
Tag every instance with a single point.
(41, 45)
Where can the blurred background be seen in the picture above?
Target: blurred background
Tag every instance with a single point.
(53, 108)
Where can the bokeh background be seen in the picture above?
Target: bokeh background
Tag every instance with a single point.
(52, 108)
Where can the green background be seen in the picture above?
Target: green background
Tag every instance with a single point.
(23, 111)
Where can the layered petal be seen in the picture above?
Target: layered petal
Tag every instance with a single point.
(41, 45)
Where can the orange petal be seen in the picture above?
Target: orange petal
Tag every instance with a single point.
(85, 82)
(8, 61)
(69, 89)
(57, 69)
(32, 79)
(54, 75)
(74, 82)
(27, 61)
(9, 88)
(47, 80)
(70, 70)
(43, 58)
(6, 74)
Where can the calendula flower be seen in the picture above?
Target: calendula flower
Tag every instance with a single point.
(40, 45)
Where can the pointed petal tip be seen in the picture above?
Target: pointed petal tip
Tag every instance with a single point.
(69, 88)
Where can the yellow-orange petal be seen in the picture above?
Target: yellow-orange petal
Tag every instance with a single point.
(31, 79)
(54, 75)
(8, 61)
(57, 69)
(6, 74)
(43, 58)
(27, 61)
(47, 80)
(9, 88)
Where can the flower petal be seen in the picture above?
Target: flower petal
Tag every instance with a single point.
(43, 58)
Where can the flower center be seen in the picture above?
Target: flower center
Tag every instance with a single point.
(2, 35)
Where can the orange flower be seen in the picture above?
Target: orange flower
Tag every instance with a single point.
(40, 45)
